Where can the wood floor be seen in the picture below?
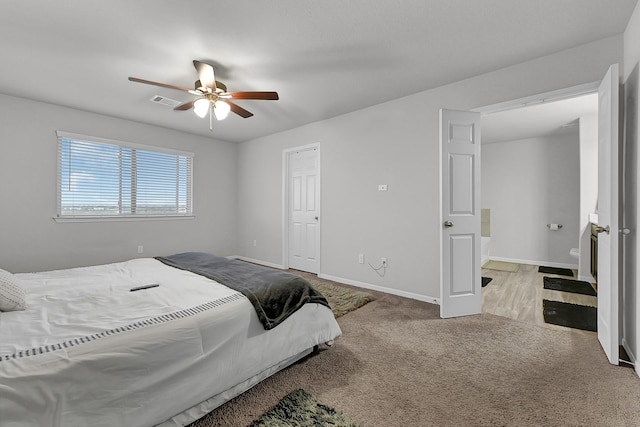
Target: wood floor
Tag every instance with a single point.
(519, 296)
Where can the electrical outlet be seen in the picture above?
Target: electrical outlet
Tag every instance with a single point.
(361, 258)
(255, 243)
(385, 263)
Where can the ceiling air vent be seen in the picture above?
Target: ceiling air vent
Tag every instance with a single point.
(165, 101)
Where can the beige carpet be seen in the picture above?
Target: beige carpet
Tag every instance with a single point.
(501, 266)
(399, 364)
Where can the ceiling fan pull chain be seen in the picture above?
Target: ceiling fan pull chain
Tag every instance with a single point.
(210, 117)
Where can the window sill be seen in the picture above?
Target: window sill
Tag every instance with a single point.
(122, 218)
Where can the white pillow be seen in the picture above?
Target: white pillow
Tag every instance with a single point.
(12, 297)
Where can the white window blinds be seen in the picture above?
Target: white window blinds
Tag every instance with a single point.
(100, 178)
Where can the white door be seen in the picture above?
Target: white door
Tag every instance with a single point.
(460, 281)
(608, 238)
(303, 195)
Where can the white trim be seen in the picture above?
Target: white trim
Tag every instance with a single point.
(555, 95)
(588, 279)
(285, 202)
(386, 290)
(285, 209)
(356, 283)
(257, 261)
(107, 218)
(533, 262)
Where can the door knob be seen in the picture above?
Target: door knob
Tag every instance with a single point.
(448, 224)
(600, 229)
(316, 218)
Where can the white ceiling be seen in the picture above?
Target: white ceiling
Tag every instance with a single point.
(324, 57)
(545, 119)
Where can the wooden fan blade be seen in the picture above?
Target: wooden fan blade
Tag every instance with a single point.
(269, 96)
(239, 110)
(149, 82)
(186, 106)
(206, 75)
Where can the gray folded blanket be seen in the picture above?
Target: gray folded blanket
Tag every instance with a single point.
(275, 295)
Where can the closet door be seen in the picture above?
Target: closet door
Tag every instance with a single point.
(304, 210)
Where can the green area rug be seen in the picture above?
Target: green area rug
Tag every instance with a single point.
(341, 299)
(300, 409)
(502, 266)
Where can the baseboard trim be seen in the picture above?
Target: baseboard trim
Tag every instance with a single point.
(530, 262)
(386, 290)
(588, 279)
(257, 261)
(356, 283)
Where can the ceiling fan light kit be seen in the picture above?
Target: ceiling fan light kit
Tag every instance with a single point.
(221, 109)
(201, 107)
(213, 97)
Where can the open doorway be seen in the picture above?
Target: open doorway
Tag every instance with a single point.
(460, 183)
(539, 184)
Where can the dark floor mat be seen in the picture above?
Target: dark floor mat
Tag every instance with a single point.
(486, 280)
(568, 285)
(554, 270)
(570, 315)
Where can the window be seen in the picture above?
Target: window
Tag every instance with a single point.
(104, 179)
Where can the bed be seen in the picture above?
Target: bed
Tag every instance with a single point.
(89, 351)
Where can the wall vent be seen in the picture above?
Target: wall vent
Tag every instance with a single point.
(165, 101)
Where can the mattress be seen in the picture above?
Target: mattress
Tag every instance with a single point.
(88, 351)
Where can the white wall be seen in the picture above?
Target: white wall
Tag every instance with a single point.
(30, 240)
(588, 190)
(395, 143)
(528, 184)
(631, 275)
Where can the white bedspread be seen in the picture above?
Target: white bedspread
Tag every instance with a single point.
(87, 351)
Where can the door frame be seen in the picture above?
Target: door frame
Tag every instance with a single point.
(286, 215)
(551, 96)
(554, 95)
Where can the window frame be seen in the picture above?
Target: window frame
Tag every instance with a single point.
(60, 217)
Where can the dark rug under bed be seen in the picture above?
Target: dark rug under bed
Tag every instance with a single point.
(570, 315)
(555, 270)
(568, 285)
(486, 280)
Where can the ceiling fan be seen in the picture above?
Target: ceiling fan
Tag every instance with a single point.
(212, 95)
